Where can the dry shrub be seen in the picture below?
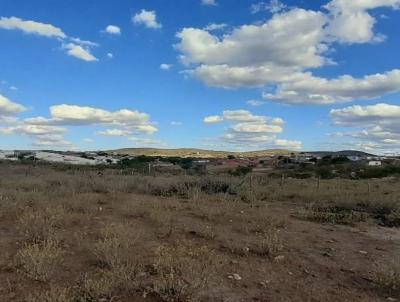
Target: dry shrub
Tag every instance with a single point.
(333, 215)
(107, 284)
(388, 276)
(41, 224)
(39, 261)
(268, 244)
(8, 205)
(183, 271)
(54, 294)
(201, 230)
(116, 246)
(263, 223)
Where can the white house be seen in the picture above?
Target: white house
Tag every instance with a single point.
(374, 163)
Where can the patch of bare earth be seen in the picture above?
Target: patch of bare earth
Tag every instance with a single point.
(77, 236)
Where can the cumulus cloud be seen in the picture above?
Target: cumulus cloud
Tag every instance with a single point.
(50, 131)
(281, 53)
(113, 30)
(249, 130)
(32, 27)
(352, 23)
(288, 144)
(375, 125)
(42, 135)
(73, 115)
(115, 132)
(75, 47)
(79, 52)
(176, 124)
(315, 90)
(147, 18)
(9, 108)
(253, 55)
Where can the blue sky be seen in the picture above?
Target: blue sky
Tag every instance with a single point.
(222, 74)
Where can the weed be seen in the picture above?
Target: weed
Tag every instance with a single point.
(39, 261)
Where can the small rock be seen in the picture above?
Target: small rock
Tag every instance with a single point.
(391, 299)
(235, 277)
(264, 283)
(363, 252)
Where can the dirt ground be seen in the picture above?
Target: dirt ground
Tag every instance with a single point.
(134, 243)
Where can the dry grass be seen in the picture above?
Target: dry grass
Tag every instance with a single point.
(269, 244)
(183, 271)
(106, 285)
(41, 224)
(119, 237)
(40, 261)
(388, 276)
(116, 246)
(54, 294)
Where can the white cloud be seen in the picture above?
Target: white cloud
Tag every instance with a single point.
(297, 34)
(110, 55)
(208, 2)
(213, 119)
(147, 18)
(88, 140)
(9, 108)
(83, 42)
(255, 103)
(314, 90)
(51, 131)
(282, 51)
(43, 135)
(375, 126)
(273, 6)
(79, 52)
(113, 29)
(73, 115)
(288, 144)
(215, 26)
(75, 47)
(32, 27)
(351, 22)
(165, 66)
(115, 132)
(255, 55)
(13, 88)
(249, 130)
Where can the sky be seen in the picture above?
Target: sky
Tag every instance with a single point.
(211, 74)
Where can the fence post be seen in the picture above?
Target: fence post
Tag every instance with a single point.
(282, 180)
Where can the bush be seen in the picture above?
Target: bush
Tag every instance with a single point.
(241, 171)
(55, 294)
(40, 260)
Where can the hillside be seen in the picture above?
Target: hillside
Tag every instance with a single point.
(186, 152)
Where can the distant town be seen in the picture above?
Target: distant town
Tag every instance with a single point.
(300, 162)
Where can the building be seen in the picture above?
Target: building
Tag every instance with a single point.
(374, 163)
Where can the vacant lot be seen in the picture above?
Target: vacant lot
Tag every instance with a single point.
(79, 235)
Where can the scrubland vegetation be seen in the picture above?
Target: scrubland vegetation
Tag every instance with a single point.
(74, 234)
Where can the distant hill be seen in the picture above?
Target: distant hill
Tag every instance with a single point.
(187, 152)
(341, 153)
